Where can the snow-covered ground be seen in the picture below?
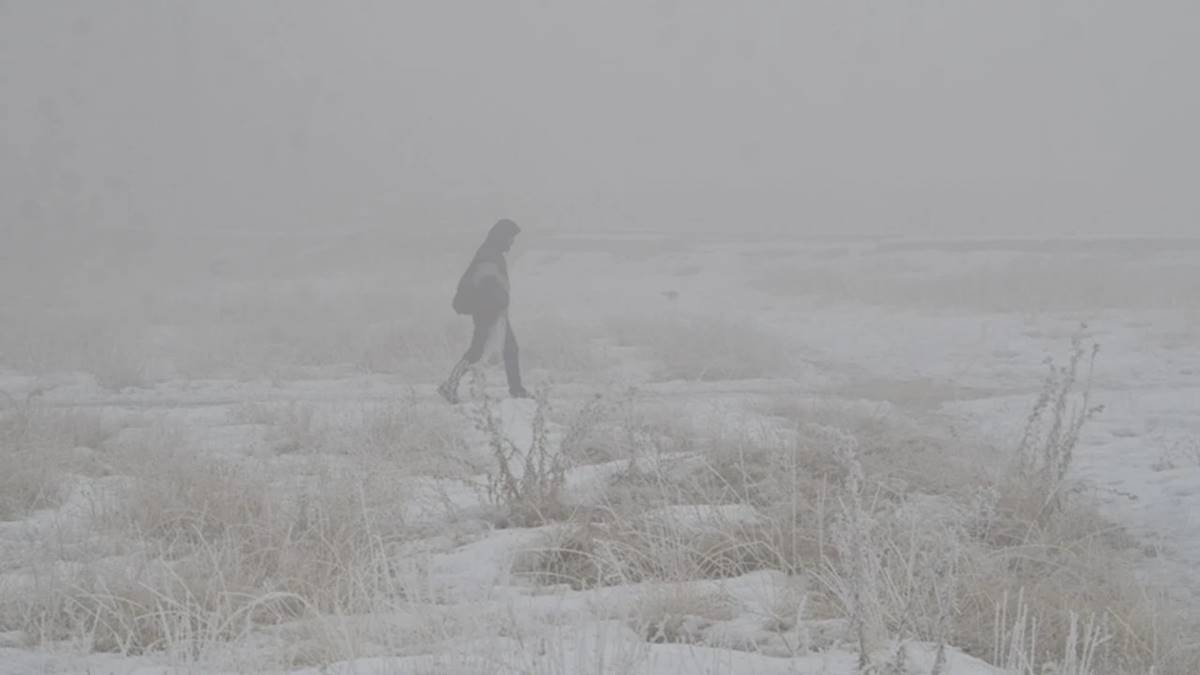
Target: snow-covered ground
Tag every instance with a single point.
(951, 354)
(966, 360)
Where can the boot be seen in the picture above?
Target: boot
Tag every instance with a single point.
(449, 388)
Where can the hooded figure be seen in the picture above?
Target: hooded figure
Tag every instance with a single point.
(483, 293)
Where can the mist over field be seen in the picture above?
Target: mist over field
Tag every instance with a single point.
(813, 117)
(618, 337)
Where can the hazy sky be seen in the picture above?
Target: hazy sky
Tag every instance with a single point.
(838, 115)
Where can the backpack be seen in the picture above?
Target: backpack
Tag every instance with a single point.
(464, 301)
(471, 297)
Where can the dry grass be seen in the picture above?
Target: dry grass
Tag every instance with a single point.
(220, 552)
(214, 550)
(421, 435)
(675, 613)
(905, 533)
(40, 446)
(903, 558)
(112, 348)
(705, 348)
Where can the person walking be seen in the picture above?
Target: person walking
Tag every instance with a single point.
(483, 294)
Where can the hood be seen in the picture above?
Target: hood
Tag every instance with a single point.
(499, 235)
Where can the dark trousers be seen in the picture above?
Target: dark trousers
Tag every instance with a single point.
(484, 324)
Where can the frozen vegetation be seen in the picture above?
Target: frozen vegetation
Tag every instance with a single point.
(224, 453)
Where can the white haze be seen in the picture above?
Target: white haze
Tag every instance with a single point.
(788, 279)
(815, 117)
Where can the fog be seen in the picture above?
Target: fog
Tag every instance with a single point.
(804, 337)
(806, 117)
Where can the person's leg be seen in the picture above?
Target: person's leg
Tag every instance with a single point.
(512, 363)
(479, 338)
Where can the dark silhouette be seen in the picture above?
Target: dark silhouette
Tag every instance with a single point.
(483, 293)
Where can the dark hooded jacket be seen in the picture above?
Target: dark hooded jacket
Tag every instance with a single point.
(483, 288)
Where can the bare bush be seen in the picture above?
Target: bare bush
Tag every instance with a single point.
(528, 481)
(1047, 446)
